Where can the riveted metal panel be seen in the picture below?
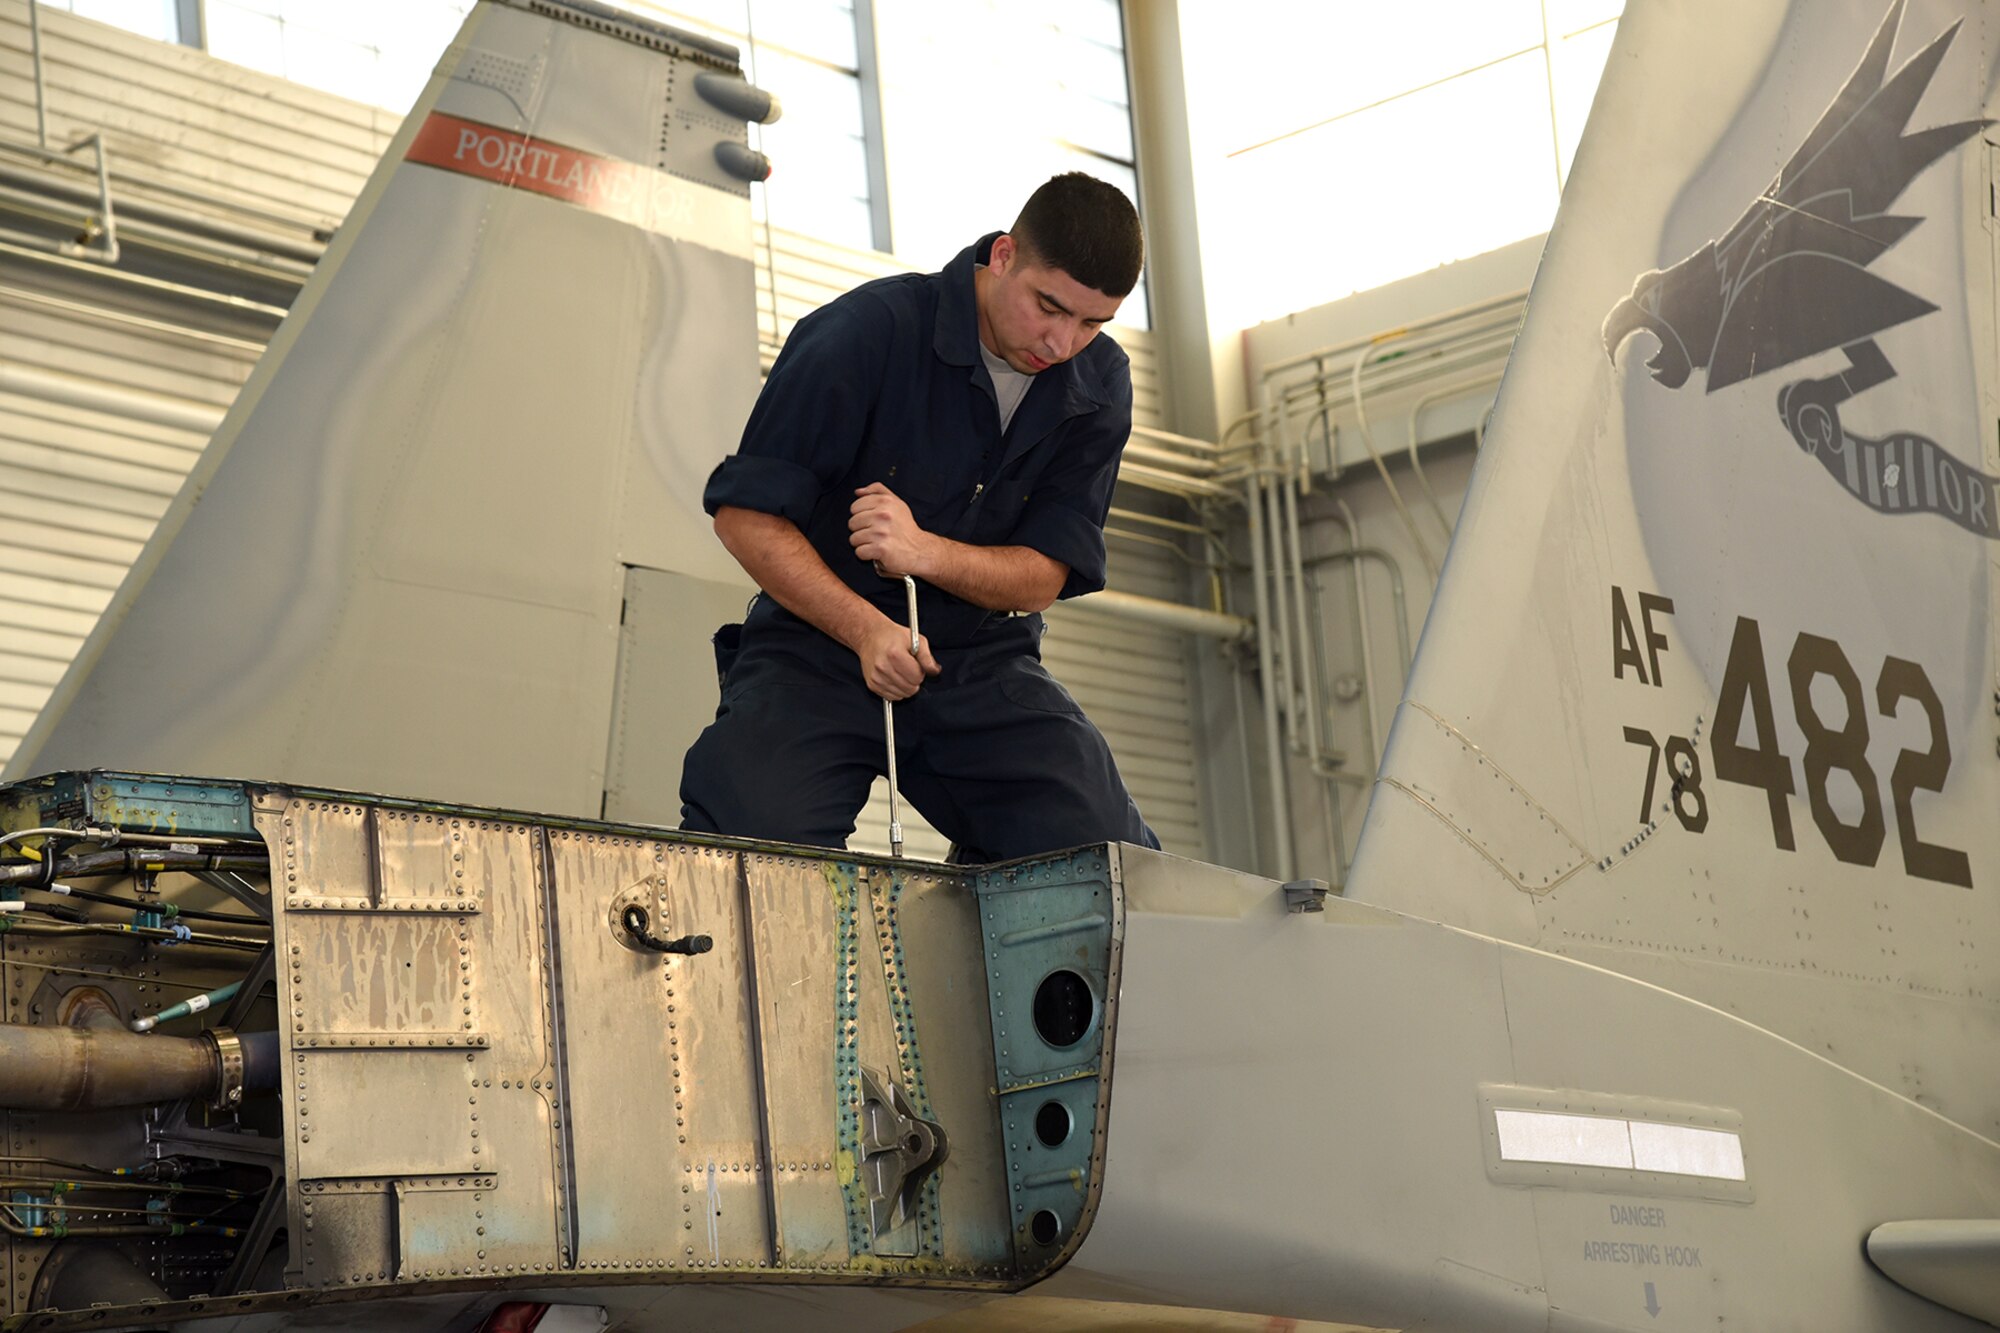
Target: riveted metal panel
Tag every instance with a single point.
(345, 1237)
(802, 970)
(336, 862)
(441, 1224)
(710, 1038)
(599, 1083)
(420, 860)
(619, 1069)
(1043, 921)
(401, 980)
(946, 1050)
(342, 1098)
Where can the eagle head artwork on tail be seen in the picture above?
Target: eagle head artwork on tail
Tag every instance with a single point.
(1791, 279)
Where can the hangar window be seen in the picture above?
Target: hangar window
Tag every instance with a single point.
(983, 99)
(165, 20)
(1384, 140)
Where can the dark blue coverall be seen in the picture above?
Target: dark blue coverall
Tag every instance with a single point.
(886, 384)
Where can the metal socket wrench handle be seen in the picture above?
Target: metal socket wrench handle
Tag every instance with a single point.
(889, 727)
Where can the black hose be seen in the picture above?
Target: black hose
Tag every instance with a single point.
(638, 922)
(260, 1060)
(164, 908)
(124, 861)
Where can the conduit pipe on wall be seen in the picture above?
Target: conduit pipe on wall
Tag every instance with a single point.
(1508, 305)
(1361, 361)
(18, 245)
(1416, 437)
(304, 252)
(1327, 394)
(1170, 615)
(1255, 484)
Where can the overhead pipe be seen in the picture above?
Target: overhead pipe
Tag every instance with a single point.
(1187, 442)
(1393, 375)
(1170, 615)
(318, 230)
(184, 236)
(1511, 303)
(1416, 360)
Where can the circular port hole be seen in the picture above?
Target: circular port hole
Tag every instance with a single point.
(1045, 1227)
(1064, 1007)
(1052, 1124)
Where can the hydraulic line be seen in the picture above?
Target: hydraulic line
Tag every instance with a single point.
(192, 1005)
(116, 862)
(167, 909)
(157, 934)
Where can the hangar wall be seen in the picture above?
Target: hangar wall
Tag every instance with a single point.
(227, 183)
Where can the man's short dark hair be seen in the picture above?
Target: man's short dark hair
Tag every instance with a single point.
(1085, 227)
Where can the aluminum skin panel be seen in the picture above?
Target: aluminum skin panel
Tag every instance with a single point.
(617, 1060)
(467, 976)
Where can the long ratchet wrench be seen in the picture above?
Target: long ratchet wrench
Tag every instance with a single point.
(889, 728)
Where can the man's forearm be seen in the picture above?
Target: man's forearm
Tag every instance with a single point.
(777, 555)
(999, 578)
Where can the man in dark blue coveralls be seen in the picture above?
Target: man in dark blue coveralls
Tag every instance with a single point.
(963, 427)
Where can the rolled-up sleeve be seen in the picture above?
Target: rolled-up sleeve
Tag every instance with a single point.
(810, 418)
(1065, 513)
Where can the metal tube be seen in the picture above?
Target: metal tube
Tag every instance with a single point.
(54, 386)
(1173, 483)
(107, 221)
(1267, 677)
(1395, 571)
(1416, 359)
(1133, 516)
(1395, 494)
(1243, 748)
(82, 1069)
(1330, 774)
(31, 297)
(1185, 441)
(1168, 460)
(317, 226)
(1170, 615)
(257, 242)
(889, 726)
(41, 90)
(1416, 415)
(1505, 302)
(1415, 362)
(11, 244)
(194, 1004)
(1310, 671)
(1345, 517)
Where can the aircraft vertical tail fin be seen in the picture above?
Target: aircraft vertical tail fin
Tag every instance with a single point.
(1707, 694)
(401, 560)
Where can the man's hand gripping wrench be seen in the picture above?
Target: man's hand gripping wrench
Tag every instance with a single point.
(889, 726)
